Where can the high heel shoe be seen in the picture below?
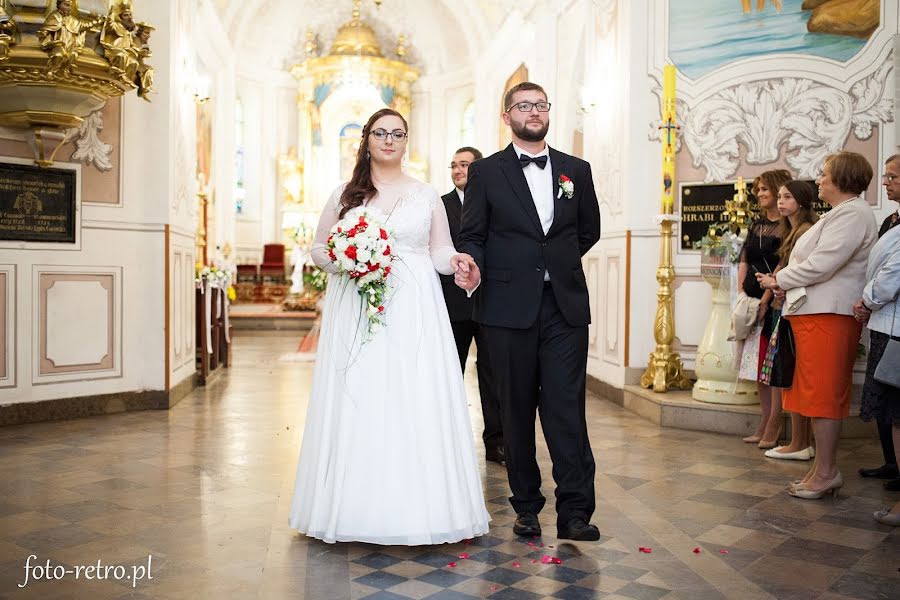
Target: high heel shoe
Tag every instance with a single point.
(751, 439)
(764, 445)
(832, 488)
(886, 517)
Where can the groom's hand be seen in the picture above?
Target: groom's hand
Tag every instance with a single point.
(467, 275)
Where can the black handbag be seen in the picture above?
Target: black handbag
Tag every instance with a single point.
(781, 357)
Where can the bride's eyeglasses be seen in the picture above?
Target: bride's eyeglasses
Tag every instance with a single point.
(380, 134)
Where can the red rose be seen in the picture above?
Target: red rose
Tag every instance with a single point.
(384, 234)
(351, 232)
(339, 230)
(387, 270)
(387, 251)
(350, 252)
(380, 309)
(362, 220)
(373, 268)
(331, 255)
(564, 179)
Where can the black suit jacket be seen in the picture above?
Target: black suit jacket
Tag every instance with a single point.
(502, 231)
(459, 305)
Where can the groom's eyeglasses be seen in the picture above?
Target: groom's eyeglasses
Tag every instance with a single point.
(398, 134)
(527, 106)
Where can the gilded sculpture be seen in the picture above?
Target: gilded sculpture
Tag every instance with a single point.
(144, 79)
(118, 42)
(63, 36)
(57, 69)
(9, 32)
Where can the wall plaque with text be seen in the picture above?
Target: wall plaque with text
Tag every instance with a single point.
(702, 205)
(37, 204)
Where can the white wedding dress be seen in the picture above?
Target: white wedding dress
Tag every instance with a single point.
(388, 455)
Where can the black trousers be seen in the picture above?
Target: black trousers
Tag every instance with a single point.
(464, 332)
(886, 435)
(542, 370)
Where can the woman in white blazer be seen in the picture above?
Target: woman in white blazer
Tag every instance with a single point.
(828, 269)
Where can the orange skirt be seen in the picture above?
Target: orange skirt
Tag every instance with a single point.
(826, 353)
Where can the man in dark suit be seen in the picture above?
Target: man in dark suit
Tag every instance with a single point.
(529, 216)
(459, 306)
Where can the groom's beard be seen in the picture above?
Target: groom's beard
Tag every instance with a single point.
(530, 135)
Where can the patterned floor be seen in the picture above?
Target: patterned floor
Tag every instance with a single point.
(202, 492)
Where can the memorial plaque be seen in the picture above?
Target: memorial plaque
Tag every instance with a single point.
(702, 205)
(37, 204)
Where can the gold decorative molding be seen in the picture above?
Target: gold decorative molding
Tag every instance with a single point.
(355, 55)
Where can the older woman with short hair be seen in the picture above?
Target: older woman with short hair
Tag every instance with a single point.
(828, 271)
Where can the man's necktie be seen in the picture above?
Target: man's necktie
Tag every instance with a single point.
(540, 161)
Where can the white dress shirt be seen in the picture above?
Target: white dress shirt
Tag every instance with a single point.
(540, 182)
(459, 193)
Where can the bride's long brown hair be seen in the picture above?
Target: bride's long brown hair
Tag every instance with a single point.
(360, 188)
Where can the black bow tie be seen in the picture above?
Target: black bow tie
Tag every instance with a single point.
(540, 161)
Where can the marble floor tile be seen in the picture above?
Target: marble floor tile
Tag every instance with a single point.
(204, 489)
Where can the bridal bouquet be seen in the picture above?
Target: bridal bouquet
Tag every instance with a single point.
(361, 249)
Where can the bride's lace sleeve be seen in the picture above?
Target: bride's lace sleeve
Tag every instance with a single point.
(441, 244)
(327, 220)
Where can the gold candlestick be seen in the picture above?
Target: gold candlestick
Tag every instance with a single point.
(664, 370)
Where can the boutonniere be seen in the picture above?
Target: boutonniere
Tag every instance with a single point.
(566, 187)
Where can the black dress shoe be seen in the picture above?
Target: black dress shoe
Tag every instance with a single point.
(578, 529)
(527, 525)
(882, 472)
(893, 485)
(495, 454)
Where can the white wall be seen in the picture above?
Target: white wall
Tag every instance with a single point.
(131, 253)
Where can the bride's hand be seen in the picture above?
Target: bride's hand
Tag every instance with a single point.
(467, 273)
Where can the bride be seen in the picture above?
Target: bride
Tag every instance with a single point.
(387, 454)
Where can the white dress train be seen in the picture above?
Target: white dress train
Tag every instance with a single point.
(388, 454)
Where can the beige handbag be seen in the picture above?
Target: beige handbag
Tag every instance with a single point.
(794, 299)
(743, 317)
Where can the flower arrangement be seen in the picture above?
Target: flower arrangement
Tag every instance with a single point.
(315, 278)
(216, 276)
(217, 279)
(361, 249)
(566, 186)
(725, 245)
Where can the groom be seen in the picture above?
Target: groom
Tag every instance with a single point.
(530, 215)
